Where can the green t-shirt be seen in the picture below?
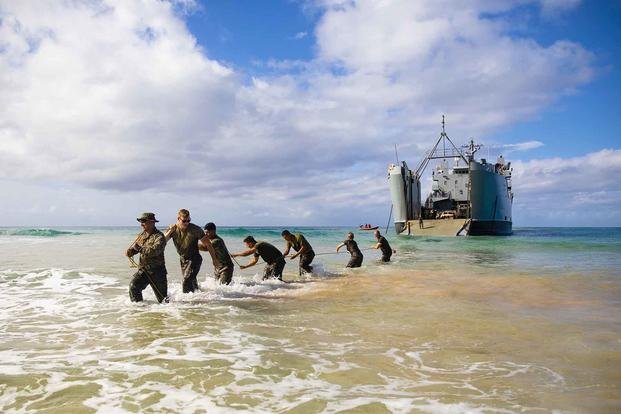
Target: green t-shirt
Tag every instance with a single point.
(269, 253)
(352, 247)
(221, 252)
(299, 242)
(186, 241)
(384, 246)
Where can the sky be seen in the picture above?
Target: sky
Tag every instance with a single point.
(287, 113)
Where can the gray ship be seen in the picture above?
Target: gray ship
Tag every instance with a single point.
(475, 195)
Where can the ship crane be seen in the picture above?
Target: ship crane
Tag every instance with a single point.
(440, 153)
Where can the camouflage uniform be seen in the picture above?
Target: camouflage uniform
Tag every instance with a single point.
(305, 258)
(223, 269)
(385, 248)
(356, 254)
(152, 267)
(273, 257)
(186, 242)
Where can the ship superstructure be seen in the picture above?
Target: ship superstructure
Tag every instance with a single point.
(477, 192)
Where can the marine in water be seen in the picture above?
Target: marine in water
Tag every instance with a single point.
(152, 266)
(275, 262)
(222, 263)
(302, 248)
(352, 248)
(382, 244)
(185, 236)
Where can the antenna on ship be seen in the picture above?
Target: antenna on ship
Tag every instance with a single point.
(440, 153)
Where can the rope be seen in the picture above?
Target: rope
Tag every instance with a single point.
(154, 286)
(362, 250)
(235, 261)
(389, 216)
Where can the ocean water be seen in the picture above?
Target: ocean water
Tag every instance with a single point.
(529, 323)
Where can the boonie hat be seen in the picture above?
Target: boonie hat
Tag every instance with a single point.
(147, 217)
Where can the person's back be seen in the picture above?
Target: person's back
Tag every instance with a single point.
(303, 248)
(222, 253)
(352, 248)
(300, 241)
(275, 262)
(222, 263)
(268, 252)
(385, 248)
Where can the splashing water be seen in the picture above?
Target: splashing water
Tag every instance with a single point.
(452, 325)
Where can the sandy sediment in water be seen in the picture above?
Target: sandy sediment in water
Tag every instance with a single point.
(593, 295)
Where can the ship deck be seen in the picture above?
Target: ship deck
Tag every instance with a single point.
(440, 227)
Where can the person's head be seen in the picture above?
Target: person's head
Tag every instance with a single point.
(147, 221)
(377, 234)
(350, 236)
(183, 218)
(210, 229)
(287, 235)
(250, 242)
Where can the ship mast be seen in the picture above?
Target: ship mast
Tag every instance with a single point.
(437, 153)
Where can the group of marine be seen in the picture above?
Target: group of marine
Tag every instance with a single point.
(190, 238)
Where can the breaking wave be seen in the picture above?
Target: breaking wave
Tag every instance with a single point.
(37, 232)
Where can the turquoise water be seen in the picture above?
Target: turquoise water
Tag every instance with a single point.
(525, 323)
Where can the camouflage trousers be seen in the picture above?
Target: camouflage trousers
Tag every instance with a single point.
(224, 274)
(274, 270)
(143, 278)
(189, 270)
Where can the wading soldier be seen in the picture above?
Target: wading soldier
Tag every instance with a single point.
(185, 236)
(269, 253)
(303, 249)
(152, 267)
(352, 248)
(222, 263)
(382, 243)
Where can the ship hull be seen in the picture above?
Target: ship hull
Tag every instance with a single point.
(490, 200)
(489, 228)
(405, 195)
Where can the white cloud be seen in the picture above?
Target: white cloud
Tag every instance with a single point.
(522, 146)
(597, 171)
(117, 96)
(551, 8)
(578, 190)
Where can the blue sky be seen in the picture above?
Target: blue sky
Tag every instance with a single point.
(242, 33)
(287, 112)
